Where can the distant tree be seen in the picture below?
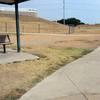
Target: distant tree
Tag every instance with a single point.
(71, 21)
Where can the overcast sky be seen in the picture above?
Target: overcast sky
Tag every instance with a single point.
(86, 10)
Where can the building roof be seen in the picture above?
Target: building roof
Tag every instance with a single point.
(10, 2)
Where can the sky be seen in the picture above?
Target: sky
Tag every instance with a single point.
(87, 11)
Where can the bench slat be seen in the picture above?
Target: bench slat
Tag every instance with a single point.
(6, 43)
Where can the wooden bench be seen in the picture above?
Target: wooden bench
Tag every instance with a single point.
(5, 40)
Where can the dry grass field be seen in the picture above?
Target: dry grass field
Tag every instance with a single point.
(61, 41)
(54, 52)
(88, 29)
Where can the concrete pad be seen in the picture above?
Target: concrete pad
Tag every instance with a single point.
(12, 56)
(78, 80)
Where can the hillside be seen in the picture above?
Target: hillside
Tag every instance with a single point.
(88, 29)
(29, 23)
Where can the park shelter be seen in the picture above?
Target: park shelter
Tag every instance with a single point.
(15, 2)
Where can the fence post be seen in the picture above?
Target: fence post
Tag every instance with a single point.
(69, 29)
(6, 28)
(38, 28)
(22, 28)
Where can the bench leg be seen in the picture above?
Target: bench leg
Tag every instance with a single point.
(4, 48)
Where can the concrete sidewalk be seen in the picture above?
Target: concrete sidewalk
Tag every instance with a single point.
(79, 80)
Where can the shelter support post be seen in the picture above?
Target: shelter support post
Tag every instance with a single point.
(17, 27)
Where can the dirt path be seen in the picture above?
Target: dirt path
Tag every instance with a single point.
(74, 40)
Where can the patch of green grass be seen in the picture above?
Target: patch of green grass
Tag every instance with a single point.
(14, 94)
(82, 53)
(37, 79)
(10, 97)
(86, 51)
(40, 55)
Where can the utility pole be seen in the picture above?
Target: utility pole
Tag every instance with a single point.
(64, 12)
(64, 22)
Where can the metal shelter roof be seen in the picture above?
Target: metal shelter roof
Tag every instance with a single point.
(10, 2)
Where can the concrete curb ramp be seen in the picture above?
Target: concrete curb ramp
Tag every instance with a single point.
(79, 80)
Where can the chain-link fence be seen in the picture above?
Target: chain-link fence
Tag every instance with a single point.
(10, 27)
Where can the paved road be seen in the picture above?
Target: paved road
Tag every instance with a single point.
(79, 80)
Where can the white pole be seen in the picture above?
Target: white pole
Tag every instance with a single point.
(64, 12)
